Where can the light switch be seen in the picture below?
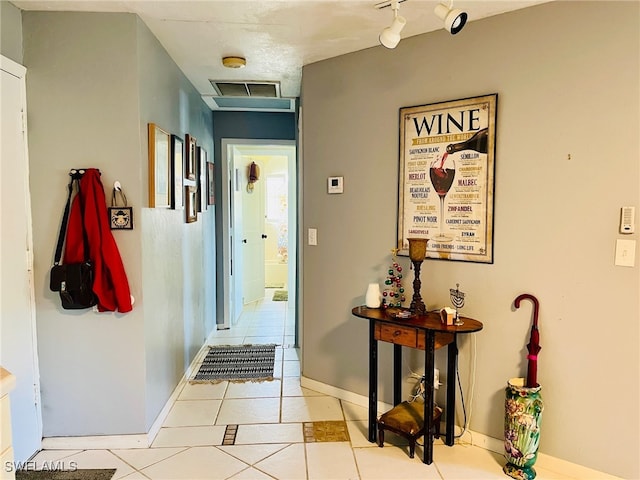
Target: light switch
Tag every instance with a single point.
(625, 253)
(313, 236)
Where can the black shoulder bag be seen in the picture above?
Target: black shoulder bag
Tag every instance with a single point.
(74, 281)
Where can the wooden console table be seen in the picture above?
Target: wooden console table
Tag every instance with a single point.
(424, 332)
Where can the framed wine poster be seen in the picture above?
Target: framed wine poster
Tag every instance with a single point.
(446, 178)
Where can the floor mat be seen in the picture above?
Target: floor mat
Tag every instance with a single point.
(237, 363)
(85, 474)
(280, 296)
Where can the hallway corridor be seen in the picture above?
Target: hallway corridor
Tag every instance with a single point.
(272, 439)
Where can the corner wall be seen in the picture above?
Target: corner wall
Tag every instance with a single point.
(568, 84)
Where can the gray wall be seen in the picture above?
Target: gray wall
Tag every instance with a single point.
(10, 32)
(93, 83)
(181, 286)
(568, 84)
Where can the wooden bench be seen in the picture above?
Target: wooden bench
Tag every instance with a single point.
(407, 420)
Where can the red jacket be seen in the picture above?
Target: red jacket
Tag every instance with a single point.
(110, 280)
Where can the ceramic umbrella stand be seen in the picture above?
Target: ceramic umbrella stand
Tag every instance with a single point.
(523, 413)
(523, 409)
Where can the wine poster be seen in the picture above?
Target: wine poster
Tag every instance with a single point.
(447, 157)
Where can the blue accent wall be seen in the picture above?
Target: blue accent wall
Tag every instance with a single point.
(262, 125)
(242, 125)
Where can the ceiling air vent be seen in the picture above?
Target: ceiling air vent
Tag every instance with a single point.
(246, 89)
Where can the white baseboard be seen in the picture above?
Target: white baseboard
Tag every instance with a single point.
(141, 440)
(97, 442)
(346, 395)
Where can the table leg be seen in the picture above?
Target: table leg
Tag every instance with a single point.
(397, 374)
(373, 383)
(429, 352)
(452, 373)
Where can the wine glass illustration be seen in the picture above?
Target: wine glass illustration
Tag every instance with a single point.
(457, 299)
(442, 171)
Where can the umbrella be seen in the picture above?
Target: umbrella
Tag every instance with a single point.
(534, 341)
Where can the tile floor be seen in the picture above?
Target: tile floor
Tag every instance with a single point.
(272, 418)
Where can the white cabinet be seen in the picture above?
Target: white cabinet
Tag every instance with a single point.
(7, 383)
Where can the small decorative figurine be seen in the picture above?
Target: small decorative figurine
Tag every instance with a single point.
(457, 299)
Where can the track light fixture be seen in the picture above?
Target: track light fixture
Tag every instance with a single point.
(390, 36)
(454, 18)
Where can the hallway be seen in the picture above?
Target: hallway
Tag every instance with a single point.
(273, 420)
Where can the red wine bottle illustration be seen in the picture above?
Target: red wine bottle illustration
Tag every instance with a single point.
(442, 173)
(478, 143)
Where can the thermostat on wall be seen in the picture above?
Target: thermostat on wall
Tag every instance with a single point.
(334, 184)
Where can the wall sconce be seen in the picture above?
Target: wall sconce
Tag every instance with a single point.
(254, 176)
(390, 36)
(454, 18)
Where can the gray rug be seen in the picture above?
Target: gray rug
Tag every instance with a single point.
(237, 363)
(87, 474)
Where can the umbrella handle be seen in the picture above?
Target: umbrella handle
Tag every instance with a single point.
(536, 305)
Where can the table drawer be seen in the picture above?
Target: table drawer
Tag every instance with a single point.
(405, 336)
(441, 339)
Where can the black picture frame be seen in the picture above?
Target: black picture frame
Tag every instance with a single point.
(177, 172)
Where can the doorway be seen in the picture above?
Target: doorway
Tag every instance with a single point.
(259, 224)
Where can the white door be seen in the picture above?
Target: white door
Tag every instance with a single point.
(252, 246)
(237, 293)
(233, 184)
(18, 352)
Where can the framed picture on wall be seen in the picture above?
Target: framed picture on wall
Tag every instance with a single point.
(159, 143)
(202, 179)
(177, 175)
(447, 158)
(190, 160)
(190, 203)
(211, 197)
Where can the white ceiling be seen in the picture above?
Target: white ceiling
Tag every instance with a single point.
(276, 37)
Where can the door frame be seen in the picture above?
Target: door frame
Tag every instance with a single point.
(226, 254)
(19, 71)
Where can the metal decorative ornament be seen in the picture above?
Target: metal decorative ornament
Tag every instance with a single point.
(457, 300)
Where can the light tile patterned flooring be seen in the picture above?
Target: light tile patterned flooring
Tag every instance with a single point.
(271, 419)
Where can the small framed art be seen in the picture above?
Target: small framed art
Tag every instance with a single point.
(177, 169)
(202, 179)
(190, 203)
(211, 194)
(159, 171)
(120, 218)
(190, 171)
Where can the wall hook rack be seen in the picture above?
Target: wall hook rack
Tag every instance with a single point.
(79, 172)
